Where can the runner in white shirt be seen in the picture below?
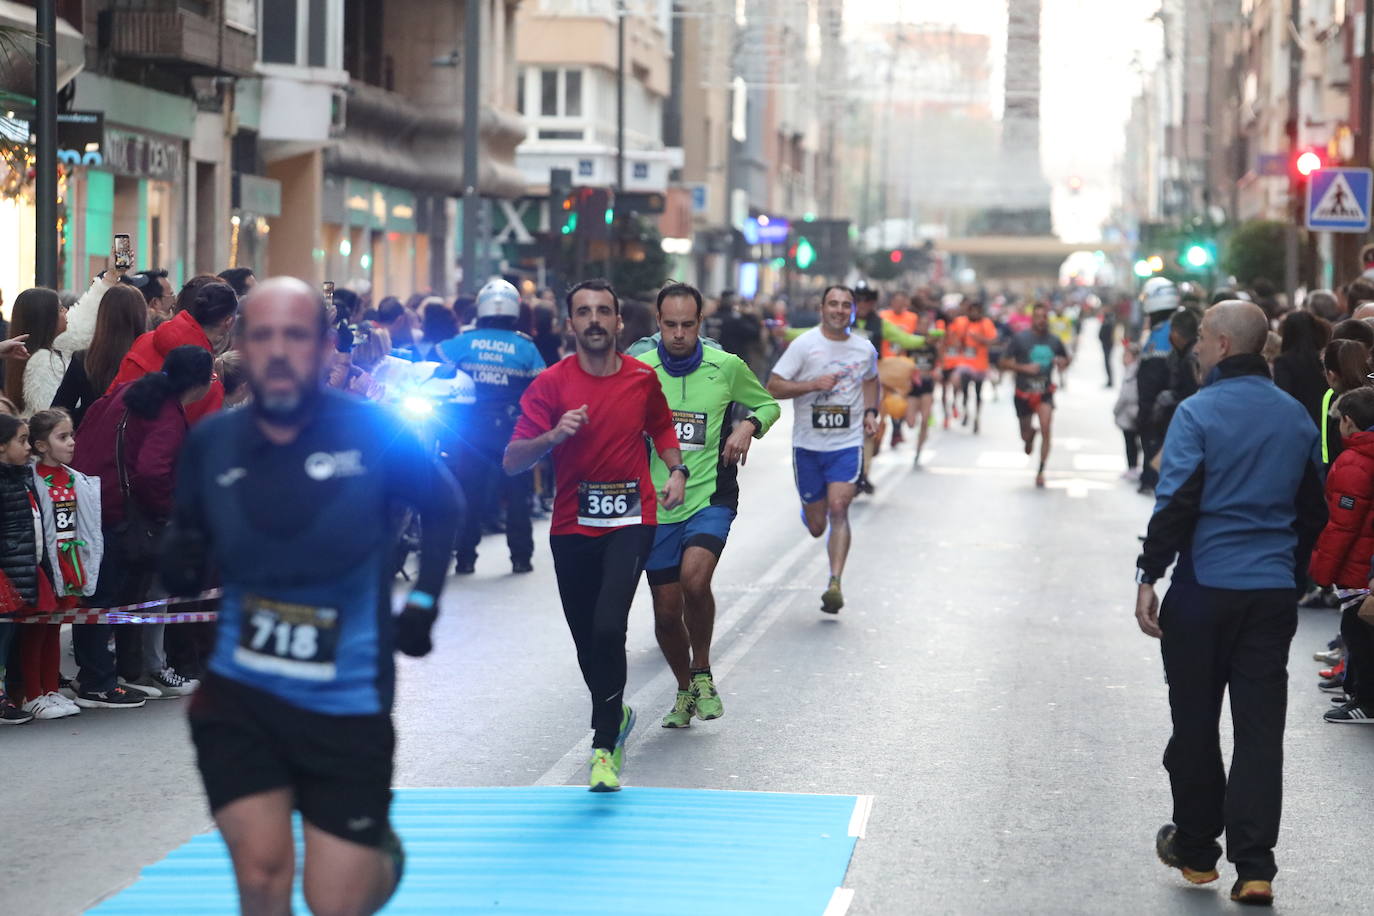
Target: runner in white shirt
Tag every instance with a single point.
(832, 378)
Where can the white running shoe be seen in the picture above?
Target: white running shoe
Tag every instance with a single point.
(45, 707)
(64, 701)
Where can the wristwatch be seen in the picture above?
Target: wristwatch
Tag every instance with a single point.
(686, 473)
(1144, 578)
(758, 424)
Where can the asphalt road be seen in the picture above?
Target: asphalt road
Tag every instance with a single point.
(986, 683)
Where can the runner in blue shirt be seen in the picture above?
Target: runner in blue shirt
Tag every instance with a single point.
(292, 501)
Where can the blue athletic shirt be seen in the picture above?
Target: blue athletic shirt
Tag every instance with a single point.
(303, 536)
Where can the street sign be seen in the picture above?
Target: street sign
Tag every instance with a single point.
(1339, 200)
(1271, 165)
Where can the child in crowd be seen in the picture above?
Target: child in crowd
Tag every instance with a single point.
(1127, 409)
(69, 503)
(22, 562)
(1343, 552)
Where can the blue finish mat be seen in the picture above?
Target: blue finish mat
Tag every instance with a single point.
(564, 850)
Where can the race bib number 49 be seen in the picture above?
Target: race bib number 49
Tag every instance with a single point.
(691, 429)
(612, 504)
(829, 416)
(292, 640)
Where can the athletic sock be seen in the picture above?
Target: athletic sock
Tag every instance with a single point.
(706, 671)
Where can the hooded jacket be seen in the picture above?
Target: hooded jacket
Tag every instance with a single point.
(150, 349)
(151, 449)
(1346, 545)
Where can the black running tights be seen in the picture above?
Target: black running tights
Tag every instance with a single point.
(597, 579)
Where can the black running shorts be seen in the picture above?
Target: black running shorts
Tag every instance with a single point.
(337, 767)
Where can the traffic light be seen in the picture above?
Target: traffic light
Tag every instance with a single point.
(803, 254)
(593, 212)
(895, 256)
(1155, 263)
(1198, 254)
(1143, 269)
(1305, 161)
(562, 217)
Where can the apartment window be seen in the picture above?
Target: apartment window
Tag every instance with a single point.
(520, 92)
(548, 93)
(279, 33)
(303, 33)
(560, 92)
(572, 93)
(561, 135)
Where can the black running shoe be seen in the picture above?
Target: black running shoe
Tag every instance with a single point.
(465, 567)
(11, 714)
(521, 566)
(114, 698)
(1351, 713)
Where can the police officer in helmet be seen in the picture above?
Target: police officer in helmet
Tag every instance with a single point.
(502, 362)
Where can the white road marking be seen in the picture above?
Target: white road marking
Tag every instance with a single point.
(839, 902)
(858, 821)
(1078, 487)
(1002, 460)
(1091, 462)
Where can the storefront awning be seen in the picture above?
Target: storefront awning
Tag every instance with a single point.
(18, 65)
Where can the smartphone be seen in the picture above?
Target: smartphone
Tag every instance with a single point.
(123, 252)
(327, 287)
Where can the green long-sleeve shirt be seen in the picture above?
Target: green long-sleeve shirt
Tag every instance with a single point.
(701, 403)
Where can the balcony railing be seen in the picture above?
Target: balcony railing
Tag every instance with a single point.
(182, 39)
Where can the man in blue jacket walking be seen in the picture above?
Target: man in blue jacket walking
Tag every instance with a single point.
(1239, 504)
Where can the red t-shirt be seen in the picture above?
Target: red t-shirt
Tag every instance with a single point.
(602, 473)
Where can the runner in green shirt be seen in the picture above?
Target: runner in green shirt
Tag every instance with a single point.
(702, 387)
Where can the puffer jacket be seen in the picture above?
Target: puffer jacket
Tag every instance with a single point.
(18, 532)
(1343, 551)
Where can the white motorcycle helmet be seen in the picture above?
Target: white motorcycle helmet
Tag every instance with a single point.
(498, 299)
(1159, 295)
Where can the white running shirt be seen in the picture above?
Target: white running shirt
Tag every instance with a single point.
(827, 421)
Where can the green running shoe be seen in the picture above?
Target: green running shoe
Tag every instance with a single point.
(683, 707)
(708, 700)
(832, 599)
(627, 724)
(605, 776)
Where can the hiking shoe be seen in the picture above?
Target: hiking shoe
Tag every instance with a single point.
(144, 686)
(1253, 893)
(683, 707)
(627, 725)
(1164, 848)
(832, 599)
(605, 775)
(1351, 713)
(115, 698)
(708, 700)
(172, 684)
(11, 714)
(45, 707)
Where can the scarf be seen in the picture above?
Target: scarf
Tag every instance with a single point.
(678, 366)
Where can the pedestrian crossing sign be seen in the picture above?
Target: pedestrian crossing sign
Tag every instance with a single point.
(1338, 200)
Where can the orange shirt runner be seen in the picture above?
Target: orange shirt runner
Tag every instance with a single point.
(971, 353)
(906, 321)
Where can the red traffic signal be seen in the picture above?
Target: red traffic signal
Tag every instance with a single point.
(1308, 161)
(895, 256)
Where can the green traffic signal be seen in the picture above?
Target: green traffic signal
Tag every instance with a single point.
(806, 254)
(1197, 256)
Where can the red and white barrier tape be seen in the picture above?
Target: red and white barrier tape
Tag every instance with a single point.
(129, 613)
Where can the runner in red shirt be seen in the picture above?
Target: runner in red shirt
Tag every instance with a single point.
(592, 410)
